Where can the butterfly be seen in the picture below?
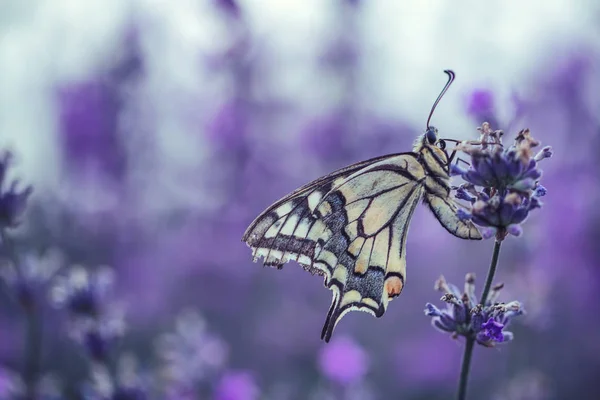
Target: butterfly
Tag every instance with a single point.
(350, 226)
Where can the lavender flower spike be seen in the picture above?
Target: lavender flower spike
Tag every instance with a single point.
(12, 200)
(508, 179)
(485, 323)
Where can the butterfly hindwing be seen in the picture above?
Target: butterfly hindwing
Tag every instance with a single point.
(379, 203)
(445, 210)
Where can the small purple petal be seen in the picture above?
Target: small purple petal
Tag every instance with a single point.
(488, 232)
(475, 178)
(515, 230)
(456, 169)
(524, 185)
(438, 324)
(463, 194)
(540, 191)
(463, 214)
(546, 152)
(432, 311)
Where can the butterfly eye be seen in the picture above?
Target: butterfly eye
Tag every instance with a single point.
(441, 144)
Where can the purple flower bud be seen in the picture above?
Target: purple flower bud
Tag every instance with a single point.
(463, 214)
(456, 170)
(540, 191)
(546, 152)
(515, 230)
(432, 311)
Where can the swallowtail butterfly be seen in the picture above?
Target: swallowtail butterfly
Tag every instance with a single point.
(350, 226)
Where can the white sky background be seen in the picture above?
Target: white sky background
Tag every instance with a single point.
(497, 44)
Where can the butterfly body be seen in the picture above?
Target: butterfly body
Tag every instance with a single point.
(350, 226)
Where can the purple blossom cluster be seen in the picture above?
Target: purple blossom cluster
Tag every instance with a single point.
(509, 181)
(465, 316)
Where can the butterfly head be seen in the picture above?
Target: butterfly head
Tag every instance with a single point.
(431, 135)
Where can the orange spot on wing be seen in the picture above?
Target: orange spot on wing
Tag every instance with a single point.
(393, 286)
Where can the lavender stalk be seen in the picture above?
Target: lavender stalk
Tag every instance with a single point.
(466, 361)
(501, 189)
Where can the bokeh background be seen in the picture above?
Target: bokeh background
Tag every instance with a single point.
(153, 132)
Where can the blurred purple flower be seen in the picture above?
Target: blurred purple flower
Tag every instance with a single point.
(11, 385)
(325, 136)
(125, 384)
(509, 178)
(343, 361)
(98, 336)
(89, 117)
(30, 278)
(341, 53)
(191, 354)
(229, 125)
(237, 385)
(96, 320)
(12, 201)
(480, 106)
(231, 7)
(463, 316)
(83, 293)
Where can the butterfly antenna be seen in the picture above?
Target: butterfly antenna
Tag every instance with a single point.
(451, 77)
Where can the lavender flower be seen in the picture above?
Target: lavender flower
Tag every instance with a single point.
(343, 361)
(190, 355)
(237, 385)
(464, 317)
(30, 278)
(128, 384)
(231, 7)
(11, 384)
(509, 181)
(98, 336)
(82, 293)
(96, 322)
(12, 387)
(12, 200)
(480, 105)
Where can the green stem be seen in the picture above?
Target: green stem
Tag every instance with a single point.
(464, 369)
(466, 361)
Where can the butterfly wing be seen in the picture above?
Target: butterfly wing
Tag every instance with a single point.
(277, 231)
(350, 227)
(444, 209)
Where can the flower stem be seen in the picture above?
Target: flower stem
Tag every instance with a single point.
(491, 272)
(466, 361)
(31, 367)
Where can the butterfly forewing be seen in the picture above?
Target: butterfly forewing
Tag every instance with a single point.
(350, 227)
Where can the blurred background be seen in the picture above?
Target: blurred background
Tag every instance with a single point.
(153, 133)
